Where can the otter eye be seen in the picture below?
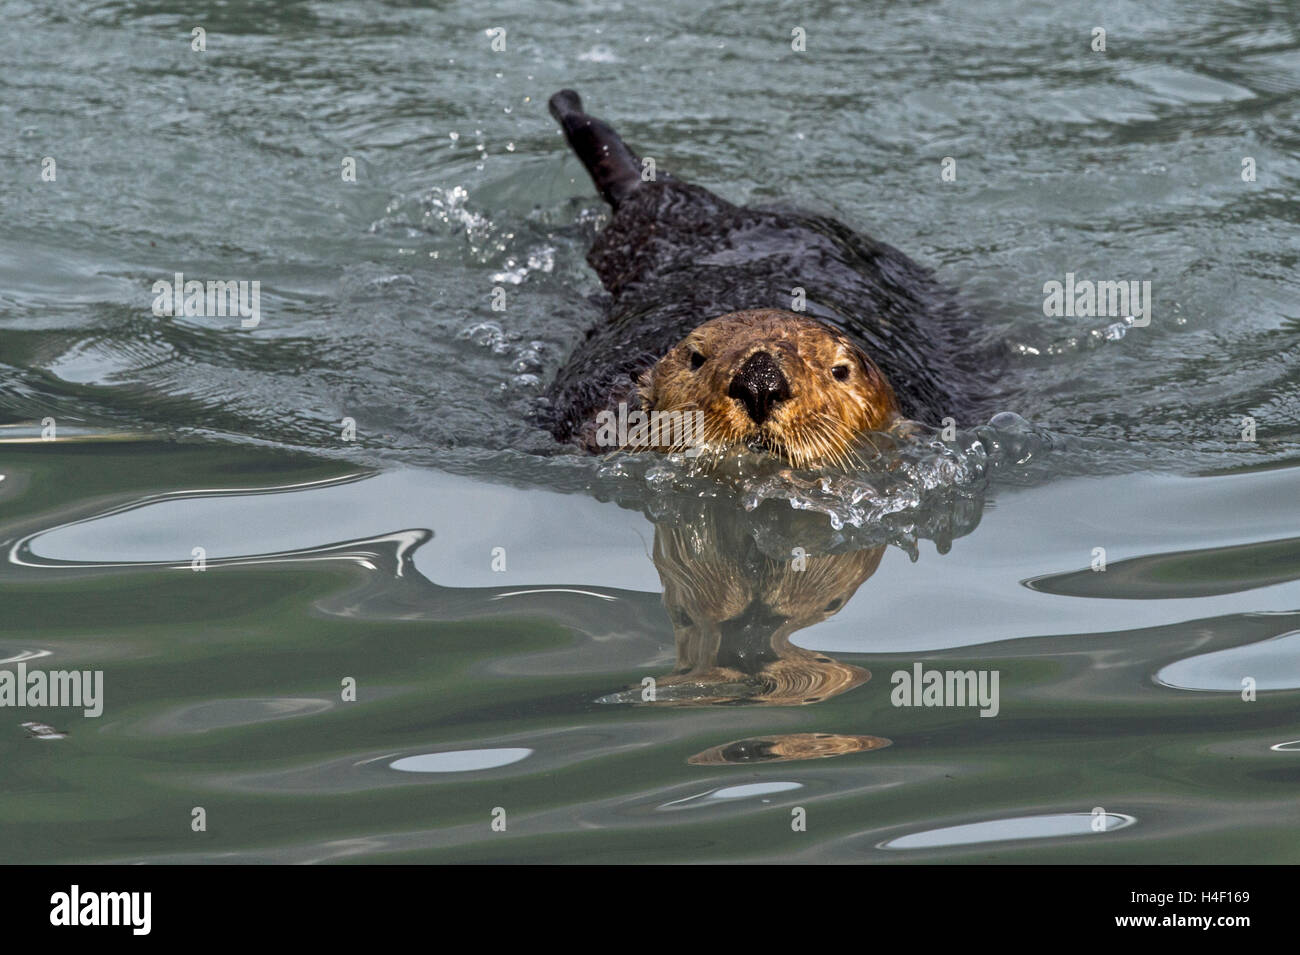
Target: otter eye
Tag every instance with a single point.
(697, 360)
(841, 372)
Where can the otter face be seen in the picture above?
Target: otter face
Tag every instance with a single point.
(776, 381)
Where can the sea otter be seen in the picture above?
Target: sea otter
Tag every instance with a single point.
(702, 322)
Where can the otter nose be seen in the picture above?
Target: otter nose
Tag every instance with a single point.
(759, 385)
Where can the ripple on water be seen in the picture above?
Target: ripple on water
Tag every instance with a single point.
(460, 760)
(14, 655)
(534, 753)
(1273, 664)
(786, 747)
(731, 793)
(1050, 826)
(224, 714)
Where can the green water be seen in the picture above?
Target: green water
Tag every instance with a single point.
(497, 609)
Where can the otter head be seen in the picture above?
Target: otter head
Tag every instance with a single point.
(776, 381)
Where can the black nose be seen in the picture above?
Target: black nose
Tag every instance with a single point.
(759, 385)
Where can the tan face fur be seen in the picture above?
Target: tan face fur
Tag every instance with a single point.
(774, 380)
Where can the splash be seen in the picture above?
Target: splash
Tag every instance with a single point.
(917, 483)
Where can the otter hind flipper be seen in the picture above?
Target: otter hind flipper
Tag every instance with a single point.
(615, 169)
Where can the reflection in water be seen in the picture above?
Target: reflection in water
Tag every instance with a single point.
(1188, 573)
(1022, 827)
(733, 609)
(39, 730)
(163, 526)
(470, 670)
(460, 761)
(22, 656)
(737, 585)
(783, 747)
(1271, 664)
(726, 793)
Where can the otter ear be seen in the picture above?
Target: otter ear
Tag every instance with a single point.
(866, 364)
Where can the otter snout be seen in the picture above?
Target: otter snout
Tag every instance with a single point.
(759, 386)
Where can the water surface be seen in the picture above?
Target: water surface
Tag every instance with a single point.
(516, 694)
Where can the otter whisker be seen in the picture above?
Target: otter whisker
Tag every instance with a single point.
(842, 437)
(820, 441)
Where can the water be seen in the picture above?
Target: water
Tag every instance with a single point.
(1121, 734)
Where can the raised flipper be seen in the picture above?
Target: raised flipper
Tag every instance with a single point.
(614, 168)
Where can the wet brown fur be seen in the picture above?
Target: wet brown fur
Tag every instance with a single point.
(823, 417)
